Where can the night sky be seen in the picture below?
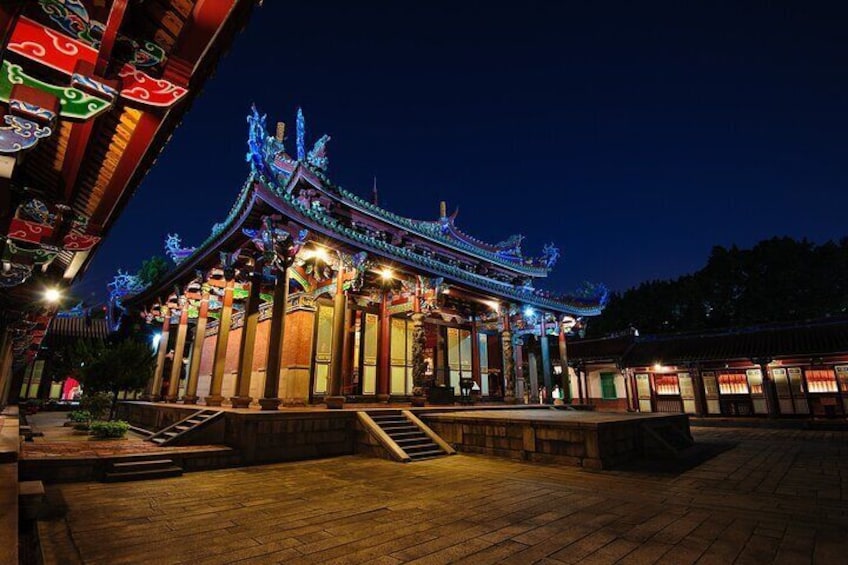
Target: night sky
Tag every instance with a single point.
(635, 138)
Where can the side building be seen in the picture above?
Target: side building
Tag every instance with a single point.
(307, 292)
(798, 369)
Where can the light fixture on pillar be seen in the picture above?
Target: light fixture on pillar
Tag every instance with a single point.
(386, 274)
(493, 304)
(529, 312)
(154, 341)
(52, 295)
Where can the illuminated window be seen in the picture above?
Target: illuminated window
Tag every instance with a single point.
(732, 383)
(820, 380)
(666, 385)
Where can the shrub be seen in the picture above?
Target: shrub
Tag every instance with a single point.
(116, 429)
(79, 416)
(82, 426)
(97, 403)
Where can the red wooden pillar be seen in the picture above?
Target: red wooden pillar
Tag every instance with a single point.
(383, 350)
(334, 388)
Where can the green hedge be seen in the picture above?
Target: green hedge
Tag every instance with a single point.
(116, 429)
(80, 416)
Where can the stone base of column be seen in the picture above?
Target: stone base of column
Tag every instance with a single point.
(214, 400)
(172, 399)
(241, 401)
(147, 398)
(510, 399)
(270, 403)
(382, 398)
(334, 402)
(190, 399)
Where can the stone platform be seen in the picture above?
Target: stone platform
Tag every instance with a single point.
(595, 440)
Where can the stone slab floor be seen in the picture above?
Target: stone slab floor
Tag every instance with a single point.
(767, 496)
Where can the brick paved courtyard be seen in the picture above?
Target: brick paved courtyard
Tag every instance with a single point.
(771, 496)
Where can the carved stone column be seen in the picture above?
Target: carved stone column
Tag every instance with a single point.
(224, 323)
(197, 350)
(156, 384)
(179, 348)
(508, 360)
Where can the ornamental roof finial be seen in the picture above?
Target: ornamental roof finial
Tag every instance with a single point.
(301, 135)
(443, 209)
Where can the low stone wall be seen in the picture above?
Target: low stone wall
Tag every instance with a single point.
(281, 436)
(10, 441)
(583, 441)
(83, 469)
(262, 437)
(153, 417)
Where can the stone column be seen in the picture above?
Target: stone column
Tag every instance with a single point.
(197, 350)
(475, 354)
(220, 362)
(383, 367)
(179, 349)
(334, 398)
(546, 360)
(154, 392)
(242, 398)
(508, 360)
(276, 339)
(419, 343)
(520, 375)
(563, 362)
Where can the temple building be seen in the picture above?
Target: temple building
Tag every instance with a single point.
(786, 370)
(90, 93)
(306, 292)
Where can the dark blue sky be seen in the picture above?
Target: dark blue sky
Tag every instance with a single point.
(634, 137)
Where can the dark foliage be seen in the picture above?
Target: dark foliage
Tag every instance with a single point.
(779, 279)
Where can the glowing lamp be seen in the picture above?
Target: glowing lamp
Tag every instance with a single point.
(52, 295)
(387, 274)
(658, 367)
(493, 304)
(154, 341)
(529, 312)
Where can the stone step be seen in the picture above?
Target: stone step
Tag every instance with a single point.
(419, 448)
(126, 466)
(413, 440)
(144, 475)
(426, 454)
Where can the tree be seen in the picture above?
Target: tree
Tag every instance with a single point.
(153, 269)
(123, 366)
(779, 279)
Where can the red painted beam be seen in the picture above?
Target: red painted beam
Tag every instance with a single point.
(206, 20)
(110, 35)
(138, 145)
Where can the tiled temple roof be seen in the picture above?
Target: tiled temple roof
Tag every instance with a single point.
(807, 339)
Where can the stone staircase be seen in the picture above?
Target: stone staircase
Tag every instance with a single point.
(407, 434)
(177, 434)
(122, 471)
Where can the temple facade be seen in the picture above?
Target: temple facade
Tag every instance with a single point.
(307, 292)
(786, 370)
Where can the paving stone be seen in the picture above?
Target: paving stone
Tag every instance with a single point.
(478, 509)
